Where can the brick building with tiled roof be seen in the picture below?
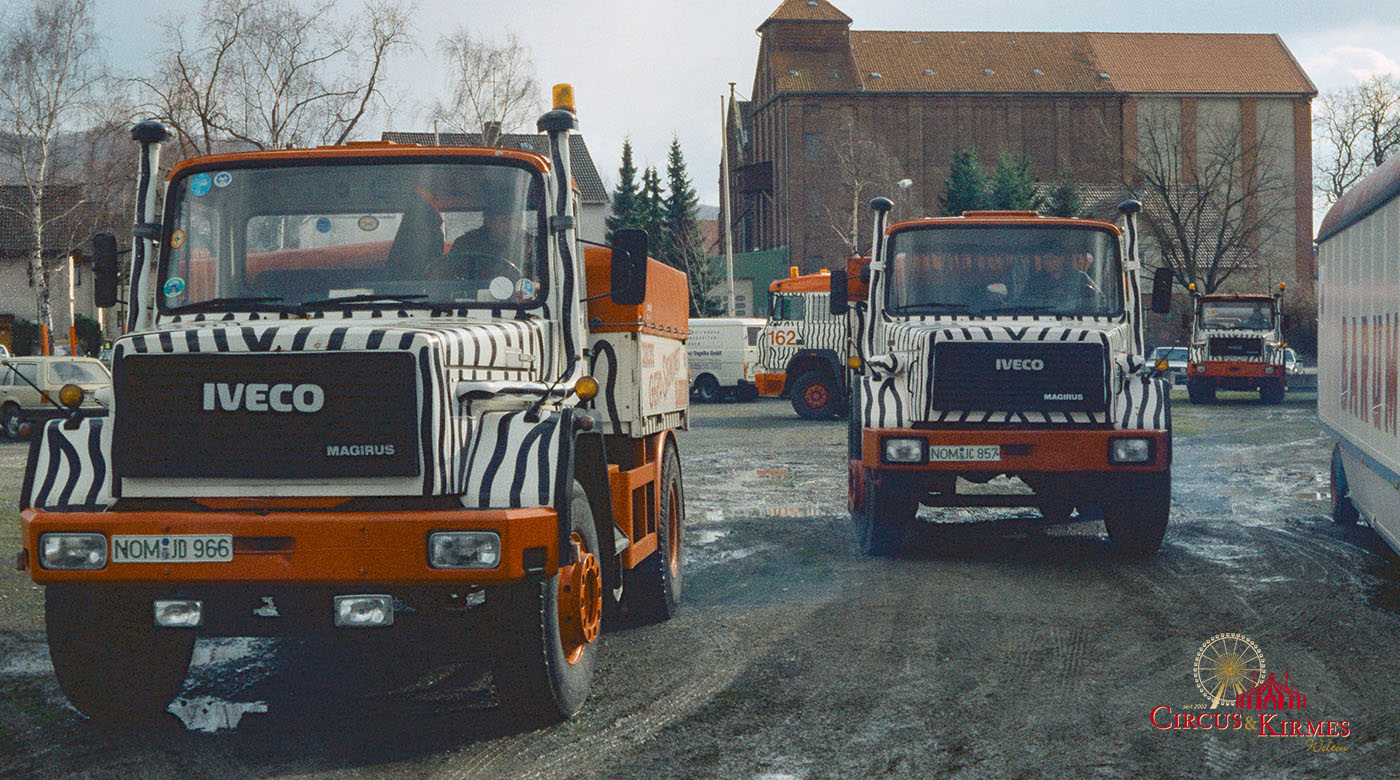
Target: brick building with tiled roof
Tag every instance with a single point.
(832, 106)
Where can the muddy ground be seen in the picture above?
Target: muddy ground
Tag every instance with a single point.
(993, 648)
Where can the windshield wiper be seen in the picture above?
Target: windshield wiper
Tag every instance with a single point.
(1034, 308)
(337, 300)
(931, 306)
(251, 303)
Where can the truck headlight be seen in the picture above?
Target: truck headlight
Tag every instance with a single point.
(1129, 450)
(73, 551)
(364, 611)
(464, 550)
(179, 613)
(905, 450)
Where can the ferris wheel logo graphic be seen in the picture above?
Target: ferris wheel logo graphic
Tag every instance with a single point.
(1226, 666)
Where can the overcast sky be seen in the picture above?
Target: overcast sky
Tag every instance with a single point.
(651, 69)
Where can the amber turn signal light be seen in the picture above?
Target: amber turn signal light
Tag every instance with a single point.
(587, 388)
(70, 396)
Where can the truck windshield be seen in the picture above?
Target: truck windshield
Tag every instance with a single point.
(406, 234)
(1237, 315)
(1004, 270)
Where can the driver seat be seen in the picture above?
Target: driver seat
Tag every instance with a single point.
(419, 240)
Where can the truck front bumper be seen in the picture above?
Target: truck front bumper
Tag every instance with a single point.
(1234, 369)
(287, 547)
(769, 385)
(1011, 451)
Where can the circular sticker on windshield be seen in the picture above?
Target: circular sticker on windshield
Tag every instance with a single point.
(223, 179)
(524, 289)
(173, 286)
(323, 225)
(177, 239)
(501, 288)
(368, 223)
(200, 184)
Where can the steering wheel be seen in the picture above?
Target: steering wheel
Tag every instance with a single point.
(487, 265)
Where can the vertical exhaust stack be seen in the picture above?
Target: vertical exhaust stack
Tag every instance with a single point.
(145, 234)
(881, 207)
(1132, 266)
(558, 123)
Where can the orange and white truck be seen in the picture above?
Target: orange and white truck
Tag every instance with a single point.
(803, 349)
(334, 416)
(1005, 344)
(1237, 344)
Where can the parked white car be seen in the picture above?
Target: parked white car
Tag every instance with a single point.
(723, 354)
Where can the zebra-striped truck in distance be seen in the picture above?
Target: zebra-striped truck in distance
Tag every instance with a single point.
(1236, 344)
(1005, 344)
(379, 395)
(803, 348)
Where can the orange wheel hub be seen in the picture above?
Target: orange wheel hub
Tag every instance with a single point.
(580, 602)
(816, 396)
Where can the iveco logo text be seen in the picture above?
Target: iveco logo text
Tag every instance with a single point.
(1009, 364)
(258, 397)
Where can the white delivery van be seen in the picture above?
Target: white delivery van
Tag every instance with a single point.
(723, 353)
(1358, 329)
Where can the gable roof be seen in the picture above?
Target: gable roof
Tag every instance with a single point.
(585, 174)
(806, 11)
(1041, 62)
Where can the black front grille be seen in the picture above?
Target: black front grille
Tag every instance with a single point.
(1019, 376)
(1236, 347)
(258, 416)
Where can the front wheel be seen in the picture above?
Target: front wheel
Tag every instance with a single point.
(1136, 517)
(1272, 392)
(1201, 392)
(707, 388)
(882, 517)
(547, 631)
(111, 660)
(814, 396)
(10, 421)
(1344, 512)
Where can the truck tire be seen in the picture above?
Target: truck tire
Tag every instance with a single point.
(1136, 517)
(653, 589)
(111, 660)
(814, 396)
(546, 632)
(707, 388)
(10, 421)
(881, 523)
(1200, 392)
(1272, 392)
(1344, 512)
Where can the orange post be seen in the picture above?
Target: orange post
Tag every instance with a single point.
(44, 339)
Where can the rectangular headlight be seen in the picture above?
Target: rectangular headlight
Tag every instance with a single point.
(72, 551)
(1129, 450)
(464, 550)
(179, 613)
(367, 611)
(905, 450)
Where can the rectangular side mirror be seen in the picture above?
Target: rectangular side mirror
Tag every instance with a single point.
(629, 267)
(840, 300)
(104, 270)
(1162, 281)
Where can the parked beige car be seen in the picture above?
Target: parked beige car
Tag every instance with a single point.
(20, 401)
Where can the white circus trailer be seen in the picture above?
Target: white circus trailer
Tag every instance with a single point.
(723, 354)
(1358, 330)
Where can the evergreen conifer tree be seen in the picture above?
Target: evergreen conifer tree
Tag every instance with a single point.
(625, 197)
(650, 211)
(966, 188)
(1064, 199)
(685, 246)
(1013, 185)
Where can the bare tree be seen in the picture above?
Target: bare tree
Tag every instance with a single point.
(1358, 129)
(1213, 207)
(863, 170)
(48, 79)
(269, 74)
(491, 86)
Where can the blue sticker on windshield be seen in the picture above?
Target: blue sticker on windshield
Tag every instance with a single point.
(200, 184)
(173, 286)
(323, 225)
(223, 179)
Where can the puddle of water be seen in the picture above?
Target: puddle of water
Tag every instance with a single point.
(709, 537)
(29, 662)
(714, 515)
(209, 715)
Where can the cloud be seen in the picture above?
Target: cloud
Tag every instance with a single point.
(1349, 64)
